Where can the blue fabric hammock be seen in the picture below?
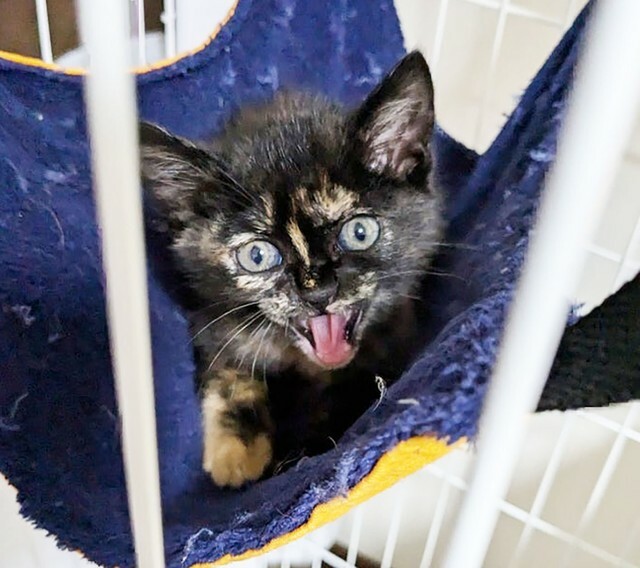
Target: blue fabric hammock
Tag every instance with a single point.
(59, 436)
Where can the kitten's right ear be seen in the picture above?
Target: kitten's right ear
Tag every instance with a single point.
(174, 171)
(391, 130)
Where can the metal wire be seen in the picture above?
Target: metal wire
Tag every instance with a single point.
(140, 30)
(491, 73)
(393, 531)
(44, 33)
(606, 474)
(169, 21)
(111, 110)
(589, 150)
(436, 524)
(354, 539)
(544, 488)
(541, 525)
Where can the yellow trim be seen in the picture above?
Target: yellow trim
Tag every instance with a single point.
(403, 460)
(75, 71)
(406, 458)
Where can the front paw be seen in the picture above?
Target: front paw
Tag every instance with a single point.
(237, 429)
(231, 462)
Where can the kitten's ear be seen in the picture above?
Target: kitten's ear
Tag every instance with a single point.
(392, 128)
(174, 171)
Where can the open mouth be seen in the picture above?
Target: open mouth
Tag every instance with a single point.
(329, 338)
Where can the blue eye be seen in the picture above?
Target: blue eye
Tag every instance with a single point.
(359, 233)
(258, 256)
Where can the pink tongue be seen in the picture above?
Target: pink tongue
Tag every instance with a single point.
(328, 335)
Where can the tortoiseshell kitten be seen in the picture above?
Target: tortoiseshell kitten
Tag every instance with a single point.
(301, 231)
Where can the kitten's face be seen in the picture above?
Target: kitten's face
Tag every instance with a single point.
(308, 223)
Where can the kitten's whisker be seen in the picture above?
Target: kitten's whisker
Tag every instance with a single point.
(255, 358)
(264, 371)
(445, 275)
(241, 189)
(228, 312)
(410, 297)
(399, 273)
(462, 246)
(248, 319)
(245, 326)
(209, 306)
(236, 197)
(253, 318)
(425, 272)
(249, 339)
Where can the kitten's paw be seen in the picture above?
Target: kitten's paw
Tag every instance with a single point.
(231, 462)
(237, 427)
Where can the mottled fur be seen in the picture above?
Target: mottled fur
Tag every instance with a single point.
(292, 172)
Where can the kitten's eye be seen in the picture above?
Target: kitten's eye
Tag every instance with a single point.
(359, 233)
(258, 256)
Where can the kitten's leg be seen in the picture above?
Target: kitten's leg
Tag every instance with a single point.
(237, 428)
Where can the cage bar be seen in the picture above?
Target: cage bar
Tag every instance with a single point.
(111, 110)
(609, 424)
(546, 483)
(354, 538)
(139, 29)
(439, 35)
(169, 20)
(495, 53)
(392, 532)
(631, 542)
(606, 473)
(590, 147)
(514, 10)
(326, 556)
(519, 514)
(436, 524)
(626, 256)
(44, 32)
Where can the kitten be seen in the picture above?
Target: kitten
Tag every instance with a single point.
(300, 233)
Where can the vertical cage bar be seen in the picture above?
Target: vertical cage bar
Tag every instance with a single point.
(111, 110)
(491, 75)
(354, 538)
(325, 556)
(139, 29)
(549, 476)
(169, 20)
(44, 33)
(394, 531)
(436, 525)
(590, 147)
(439, 35)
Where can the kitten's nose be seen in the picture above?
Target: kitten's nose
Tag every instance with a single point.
(318, 287)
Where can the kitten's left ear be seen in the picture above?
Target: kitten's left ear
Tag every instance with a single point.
(175, 171)
(392, 128)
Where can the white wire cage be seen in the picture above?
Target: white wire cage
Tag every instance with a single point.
(570, 502)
